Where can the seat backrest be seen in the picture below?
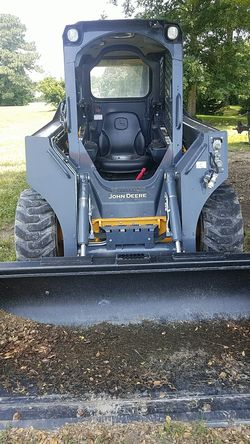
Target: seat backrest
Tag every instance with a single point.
(121, 135)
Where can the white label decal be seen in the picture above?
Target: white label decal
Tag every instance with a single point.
(201, 164)
(97, 116)
(128, 196)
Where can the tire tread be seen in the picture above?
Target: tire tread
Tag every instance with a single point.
(35, 227)
(222, 222)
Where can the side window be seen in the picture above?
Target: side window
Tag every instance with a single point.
(119, 78)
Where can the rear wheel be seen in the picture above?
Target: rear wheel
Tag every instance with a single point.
(35, 227)
(221, 224)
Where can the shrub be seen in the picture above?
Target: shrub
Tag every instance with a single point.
(53, 90)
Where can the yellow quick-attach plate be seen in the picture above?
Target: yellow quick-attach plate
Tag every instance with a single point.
(160, 221)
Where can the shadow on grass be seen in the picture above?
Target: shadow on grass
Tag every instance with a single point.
(224, 121)
(239, 146)
(51, 110)
(11, 185)
(247, 241)
(7, 248)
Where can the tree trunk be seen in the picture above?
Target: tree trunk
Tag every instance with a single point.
(191, 108)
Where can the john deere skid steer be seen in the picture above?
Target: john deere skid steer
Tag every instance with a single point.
(129, 215)
(122, 181)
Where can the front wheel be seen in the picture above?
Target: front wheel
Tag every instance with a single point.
(220, 227)
(35, 227)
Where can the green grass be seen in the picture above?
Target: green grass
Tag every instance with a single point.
(230, 110)
(7, 248)
(247, 240)
(15, 123)
(224, 122)
(238, 146)
(236, 142)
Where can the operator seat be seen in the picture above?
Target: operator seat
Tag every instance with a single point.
(122, 146)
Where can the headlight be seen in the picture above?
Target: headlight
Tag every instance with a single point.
(217, 143)
(172, 32)
(72, 35)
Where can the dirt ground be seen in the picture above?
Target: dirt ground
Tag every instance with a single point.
(208, 357)
(239, 175)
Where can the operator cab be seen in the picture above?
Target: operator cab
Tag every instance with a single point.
(122, 104)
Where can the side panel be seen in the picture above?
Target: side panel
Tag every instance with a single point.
(193, 194)
(56, 181)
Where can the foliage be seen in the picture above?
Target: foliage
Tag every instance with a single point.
(244, 98)
(119, 79)
(17, 59)
(53, 90)
(216, 48)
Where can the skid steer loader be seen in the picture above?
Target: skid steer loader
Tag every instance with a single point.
(129, 216)
(122, 181)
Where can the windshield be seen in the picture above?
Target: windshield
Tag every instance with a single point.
(120, 78)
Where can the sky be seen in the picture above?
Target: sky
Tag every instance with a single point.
(46, 19)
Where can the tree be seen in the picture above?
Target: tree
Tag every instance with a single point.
(119, 79)
(215, 37)
(103, 15)
(17, 59)
(53, 90)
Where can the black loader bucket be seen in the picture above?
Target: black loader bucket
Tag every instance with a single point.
(127, 289)
(136, 338)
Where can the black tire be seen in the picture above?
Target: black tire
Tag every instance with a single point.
(221, 222)
(35, 227)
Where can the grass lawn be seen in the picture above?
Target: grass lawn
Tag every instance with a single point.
(228, 123)
(17, 122)
(144, 433)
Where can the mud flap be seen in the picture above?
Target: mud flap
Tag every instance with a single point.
(122, 290)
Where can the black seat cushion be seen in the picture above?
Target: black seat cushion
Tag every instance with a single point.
(122, 144)
(132, 164)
